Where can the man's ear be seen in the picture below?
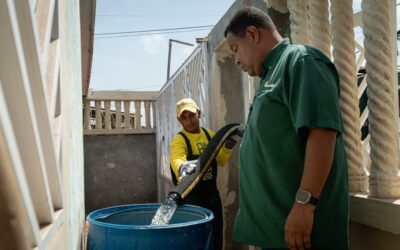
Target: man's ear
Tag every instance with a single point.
(199, 112)
(253, 33)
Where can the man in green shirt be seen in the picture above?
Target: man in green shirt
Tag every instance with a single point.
(293, 175)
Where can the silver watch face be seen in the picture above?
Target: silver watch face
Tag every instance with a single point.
(303, 197)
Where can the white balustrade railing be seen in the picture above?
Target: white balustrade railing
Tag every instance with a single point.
(378, 152)
(119, 112)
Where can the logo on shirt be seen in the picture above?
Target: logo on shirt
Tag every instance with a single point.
(201, 146)
(209, 174)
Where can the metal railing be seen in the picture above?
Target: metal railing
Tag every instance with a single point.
(190, 80)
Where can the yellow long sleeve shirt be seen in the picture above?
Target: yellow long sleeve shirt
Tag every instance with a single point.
(198, 143)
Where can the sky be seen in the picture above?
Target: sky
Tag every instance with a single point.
(133, 61)
(139, 62)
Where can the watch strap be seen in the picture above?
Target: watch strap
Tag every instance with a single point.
(313, 201)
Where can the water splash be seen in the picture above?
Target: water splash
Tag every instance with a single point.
(165, 212)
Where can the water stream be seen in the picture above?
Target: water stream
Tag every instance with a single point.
(165, 212)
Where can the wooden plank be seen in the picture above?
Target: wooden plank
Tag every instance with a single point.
(31, 125)
(196, 82)
(52, 77)
(122, 95)
(33, 63)
(49, 232)
(119, 131)
(362, 87)
(189, 81)
(13, 180)
(57, 125)
(44, 20)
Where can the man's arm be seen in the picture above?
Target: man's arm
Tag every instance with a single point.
(318, 161)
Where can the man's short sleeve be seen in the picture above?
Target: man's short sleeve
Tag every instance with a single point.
(313, 94)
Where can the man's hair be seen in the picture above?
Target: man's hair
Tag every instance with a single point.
(248, 16)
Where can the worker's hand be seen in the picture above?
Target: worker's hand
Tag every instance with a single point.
(187, 168)
(299, 225)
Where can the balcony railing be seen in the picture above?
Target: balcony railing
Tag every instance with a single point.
(119, 112)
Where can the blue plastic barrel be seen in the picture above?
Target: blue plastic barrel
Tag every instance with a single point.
(128, 227)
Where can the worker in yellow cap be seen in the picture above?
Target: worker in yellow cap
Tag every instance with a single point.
(186, 147)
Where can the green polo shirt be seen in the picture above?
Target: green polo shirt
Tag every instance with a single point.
(299, 90)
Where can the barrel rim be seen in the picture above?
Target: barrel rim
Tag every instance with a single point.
(94, 215)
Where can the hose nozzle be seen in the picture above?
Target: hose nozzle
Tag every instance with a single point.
(173, 197)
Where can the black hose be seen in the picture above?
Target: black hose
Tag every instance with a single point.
(204, 161)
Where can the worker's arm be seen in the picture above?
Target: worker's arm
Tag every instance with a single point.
(178, 154)
(317, 165)
(224, 154)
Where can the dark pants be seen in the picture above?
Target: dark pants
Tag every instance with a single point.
(212, 201)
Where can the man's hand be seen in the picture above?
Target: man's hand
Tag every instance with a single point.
(298, 226)
(187, 168)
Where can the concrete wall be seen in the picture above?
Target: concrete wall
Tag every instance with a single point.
(374, 223)
(119, 169)
(369, 238)
(227, 92)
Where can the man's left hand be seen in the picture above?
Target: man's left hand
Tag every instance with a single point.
(299, 225)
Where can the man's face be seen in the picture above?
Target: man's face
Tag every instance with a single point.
(190, 121)
(245, 51)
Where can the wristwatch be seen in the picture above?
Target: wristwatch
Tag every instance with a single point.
(305, 197)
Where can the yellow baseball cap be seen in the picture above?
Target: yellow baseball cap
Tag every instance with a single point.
(186, 104)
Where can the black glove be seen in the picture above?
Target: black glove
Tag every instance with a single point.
(187, 168)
